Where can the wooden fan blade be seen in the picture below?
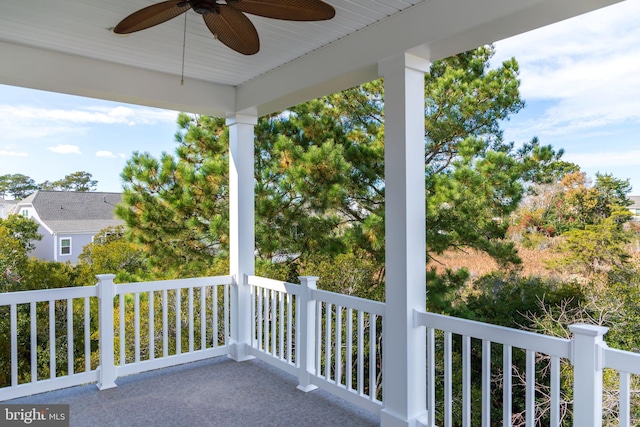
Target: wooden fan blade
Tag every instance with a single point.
(234, 29)
(151, 16)
(290, 10)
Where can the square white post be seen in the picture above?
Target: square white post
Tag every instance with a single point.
(306, 339)
(404, 346)
(241, 229)
(587, 374)
(106, 293)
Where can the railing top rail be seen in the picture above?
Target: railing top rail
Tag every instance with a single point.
(348, 301)
(276, 285)
(25, 297)
(162, 285)
(623, 361)
(552, 346)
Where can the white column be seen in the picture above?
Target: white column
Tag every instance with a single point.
(106, 293)
(404, 346)
(587, 374)
(241, 229)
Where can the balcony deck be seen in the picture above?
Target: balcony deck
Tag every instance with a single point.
(213, 392)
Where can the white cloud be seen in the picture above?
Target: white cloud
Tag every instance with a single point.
(605, 159)
(65, 149)
(5, 153)
(586, 67)
(122, 155)
(28, 122)
(105, 153)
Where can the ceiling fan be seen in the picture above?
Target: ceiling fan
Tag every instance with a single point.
(226, 19)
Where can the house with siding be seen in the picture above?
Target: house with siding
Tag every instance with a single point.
(6, 207)
(635, 208)
(68, 220)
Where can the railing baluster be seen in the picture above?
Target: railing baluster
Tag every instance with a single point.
(486, 383)
(625, 400)
(507, 385)
(265, 319)
(319, 305)
(272, 299)
(466, 381)
(372, 356)
(226, 314)
(87, 335)
(152, 329)
(431, 376)
(349, 376)
(178, 321)
(70, 357)
(360, 353)
(203, 317)
(122, 333)
(448, 388)
(260, 323)
(530, 394)
(13, 315)
(165, 324)
(290, 327)
(136, 326)
(281, 324)
(214, 315)
(338, 346)
(52, 339)
(327, 341)
(191, 323)
(34, 342)
(555, 391)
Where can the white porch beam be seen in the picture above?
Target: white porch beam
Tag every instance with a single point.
(75, 75)
(404, 345)
(241, 229)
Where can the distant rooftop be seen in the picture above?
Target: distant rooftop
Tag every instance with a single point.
(64, 211)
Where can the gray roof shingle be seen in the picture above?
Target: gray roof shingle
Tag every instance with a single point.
(70, 211)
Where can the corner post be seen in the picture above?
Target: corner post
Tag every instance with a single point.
(106, 294)
(241, 229)
(587, 358)
(404, 345)
(307, 335)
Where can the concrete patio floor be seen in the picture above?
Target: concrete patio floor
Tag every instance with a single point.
(215, 392)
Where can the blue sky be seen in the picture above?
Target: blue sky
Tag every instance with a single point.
(580, 81)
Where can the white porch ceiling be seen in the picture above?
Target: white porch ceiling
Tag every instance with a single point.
(67, 46)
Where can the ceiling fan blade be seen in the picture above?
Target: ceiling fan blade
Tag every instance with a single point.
(234, 29)
(151, 16)
(290, 10)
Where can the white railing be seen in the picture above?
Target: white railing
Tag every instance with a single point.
(159, 324)
(54, 366)
(627, 364)
(53, 340)
(328, 340)
(533, 360)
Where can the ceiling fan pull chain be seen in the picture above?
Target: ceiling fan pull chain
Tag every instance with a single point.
(184, 44)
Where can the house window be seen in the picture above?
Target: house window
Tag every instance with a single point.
(65, 246)
(25, 212)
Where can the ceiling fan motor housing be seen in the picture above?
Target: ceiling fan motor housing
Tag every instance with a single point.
(203, 7)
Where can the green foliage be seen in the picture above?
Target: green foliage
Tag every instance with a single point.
(24, 229)
(320, 174)
(596, 248)
(77, 181)
(110, 253)
(176, 207)
(17, 185)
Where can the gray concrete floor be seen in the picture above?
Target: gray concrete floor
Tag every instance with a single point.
(215, 392)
